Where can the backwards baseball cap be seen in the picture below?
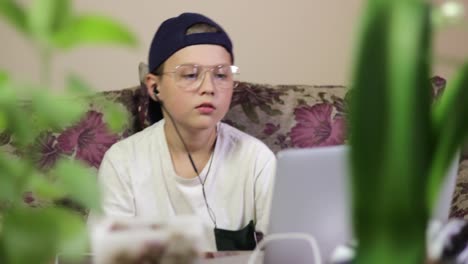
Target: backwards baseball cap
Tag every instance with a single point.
(172, 36)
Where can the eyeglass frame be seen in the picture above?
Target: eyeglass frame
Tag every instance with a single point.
(234, 71)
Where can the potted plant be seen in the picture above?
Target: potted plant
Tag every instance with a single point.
(36, 235)
(401, 143)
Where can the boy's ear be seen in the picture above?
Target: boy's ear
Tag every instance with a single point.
(151, 82)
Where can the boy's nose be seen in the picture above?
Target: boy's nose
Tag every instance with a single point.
(206, 84)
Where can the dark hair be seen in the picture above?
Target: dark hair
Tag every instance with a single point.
(154, 108)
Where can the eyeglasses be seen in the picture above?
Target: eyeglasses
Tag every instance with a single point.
(190, 76)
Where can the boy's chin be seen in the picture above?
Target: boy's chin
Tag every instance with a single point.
(204, 123)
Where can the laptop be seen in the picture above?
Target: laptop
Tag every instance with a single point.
(311, 196)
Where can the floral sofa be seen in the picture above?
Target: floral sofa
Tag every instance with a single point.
(282, 116)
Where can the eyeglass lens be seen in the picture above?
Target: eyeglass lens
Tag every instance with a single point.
(191, 76)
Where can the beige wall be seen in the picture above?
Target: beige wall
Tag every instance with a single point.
(276, 41)
(451, 45)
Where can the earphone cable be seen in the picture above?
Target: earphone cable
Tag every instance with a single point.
(208, 208)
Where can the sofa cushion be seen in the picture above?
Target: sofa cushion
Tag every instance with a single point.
(460, 196)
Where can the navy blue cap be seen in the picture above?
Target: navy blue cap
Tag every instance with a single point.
(171, 36)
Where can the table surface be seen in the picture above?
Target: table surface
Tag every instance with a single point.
(227, 257)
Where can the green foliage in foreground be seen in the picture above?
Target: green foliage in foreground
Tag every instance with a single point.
(401, 144)
(36, 235)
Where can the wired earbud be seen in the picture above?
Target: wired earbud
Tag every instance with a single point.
(156, 93)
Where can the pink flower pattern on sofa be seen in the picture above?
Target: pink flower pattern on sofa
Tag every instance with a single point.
(270, 128)
(46, 144)
(316, 127)
(88, 140)
(250, 97)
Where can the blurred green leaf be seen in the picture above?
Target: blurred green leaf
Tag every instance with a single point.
(18, 122)
(7, 92)
(3, 77)
(116, 115)
(14, 14)
(369, 128)
(14, 176)
(7, 187)
(35, 236)
(47, 17)
(78, 181)
(8, 176)
(3, 258)
(72, 233)
(437, 17)
(408, 151)
(44, 188)
(389, 140)
(76, 86)
(15, 166)
(93, 29)
(450, 125)
(56, 111)
(3, 97)
(3, 120)
(22, 128)
(29, 236)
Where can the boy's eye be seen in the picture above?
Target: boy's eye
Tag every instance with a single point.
(188, 72)
(221, 72)
(220, 75)
(189, 76)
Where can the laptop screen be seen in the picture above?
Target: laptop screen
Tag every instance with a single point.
(311, 195)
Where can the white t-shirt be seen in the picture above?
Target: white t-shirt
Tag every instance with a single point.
(138, 179)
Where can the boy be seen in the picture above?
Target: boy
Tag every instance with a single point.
(189, 162)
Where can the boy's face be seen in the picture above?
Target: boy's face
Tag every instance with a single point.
(198, 108)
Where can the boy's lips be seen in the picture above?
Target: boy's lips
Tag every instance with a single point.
(205, 108)
(206, 105)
